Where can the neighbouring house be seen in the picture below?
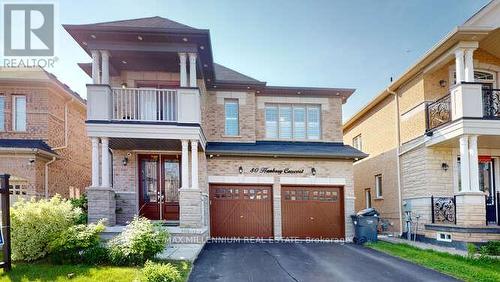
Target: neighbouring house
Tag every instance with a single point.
(433, 136)
(209, 151)
(43, 145)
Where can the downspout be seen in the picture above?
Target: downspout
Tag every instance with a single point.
(66, 130)
(398, 161)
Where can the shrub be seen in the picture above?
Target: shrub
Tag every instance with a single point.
(37, 223)
(471, 250)
(160, 272)
(140, 240)
(81, 203)
(96, 255)
(491, 248)
(72, 244)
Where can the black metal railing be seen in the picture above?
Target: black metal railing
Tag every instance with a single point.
(491, 103)
(444, 209)
(438, 112)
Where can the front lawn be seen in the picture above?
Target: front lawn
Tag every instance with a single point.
(79, 273)
(481, 269)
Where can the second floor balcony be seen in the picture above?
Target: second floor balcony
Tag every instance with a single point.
(467, 100)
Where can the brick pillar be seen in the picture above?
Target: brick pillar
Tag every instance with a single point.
(191, 208)
(101, 205)
(471, 210)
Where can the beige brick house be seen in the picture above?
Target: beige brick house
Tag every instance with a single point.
(433, 139)
(205, 149)
(43, 145)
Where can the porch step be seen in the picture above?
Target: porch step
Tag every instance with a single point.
(178, 235)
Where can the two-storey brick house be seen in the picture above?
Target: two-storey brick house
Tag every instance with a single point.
(433, 136)
(179, 138)
(43, 145)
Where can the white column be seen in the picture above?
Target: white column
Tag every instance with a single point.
(469, 65)
(194, 164)
(474, 164)
(459, 65)
(105, 162)
(192, 69)
(185, 164)
(183, 71)
(105, 67)
(464, 163)
(95, 161)
(95, 66)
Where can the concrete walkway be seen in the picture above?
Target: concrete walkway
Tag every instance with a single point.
(181, 252)
(425, 246)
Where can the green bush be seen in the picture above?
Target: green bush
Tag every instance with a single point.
(96, 255)
(160, 272)
(37, 223)
(140, 240)
(471, 250)
(81, 203)
(491, 248)
(71, 245)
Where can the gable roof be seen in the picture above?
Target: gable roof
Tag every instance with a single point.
(151, 22)
(226, 75)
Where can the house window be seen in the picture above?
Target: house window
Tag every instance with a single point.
(19, 113)
(231, 117)
(2, 113)
(378, 185)
(443, 236)
(293, 122)
(356, 142)
(368, 198)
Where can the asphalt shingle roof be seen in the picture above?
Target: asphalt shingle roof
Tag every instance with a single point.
(283, 148)
(26, 144)
(225, 74)
(151, 22)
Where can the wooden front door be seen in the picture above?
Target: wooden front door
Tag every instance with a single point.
(159, 182)
(241, 211)
(312, 212)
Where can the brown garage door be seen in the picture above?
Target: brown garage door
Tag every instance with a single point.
(312, 212)
(241, 211)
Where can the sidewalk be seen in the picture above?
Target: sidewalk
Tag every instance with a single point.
(181, 252)
(425, 246)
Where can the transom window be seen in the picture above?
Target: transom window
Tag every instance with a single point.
(293, 121)
(231, 117)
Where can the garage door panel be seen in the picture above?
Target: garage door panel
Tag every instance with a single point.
(312, 212)
(241, 211)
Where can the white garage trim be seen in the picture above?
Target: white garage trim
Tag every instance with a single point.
(312, 181)
(240, 179)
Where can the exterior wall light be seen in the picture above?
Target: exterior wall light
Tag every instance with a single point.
(125, 161)
(124, 85)
(240, 169)
(442, 83)
(313, 171)
(444, 166)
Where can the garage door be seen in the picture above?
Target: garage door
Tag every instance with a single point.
(241, 211)
(312, 212)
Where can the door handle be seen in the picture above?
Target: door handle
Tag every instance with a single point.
(311, 218)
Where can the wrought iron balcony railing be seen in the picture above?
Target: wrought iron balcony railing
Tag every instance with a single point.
(438, 112)
(491, 103)
(444, 210)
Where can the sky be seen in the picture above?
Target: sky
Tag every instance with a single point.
(324, 43)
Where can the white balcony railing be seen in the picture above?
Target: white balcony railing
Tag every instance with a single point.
(144, 104)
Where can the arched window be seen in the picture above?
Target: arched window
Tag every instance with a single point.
(479, 76)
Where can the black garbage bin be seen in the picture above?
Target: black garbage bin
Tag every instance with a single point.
(365, 226)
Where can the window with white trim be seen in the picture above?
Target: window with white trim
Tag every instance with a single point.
(378, 185)
(19, 113)
(356, 142)
(293, 121)
(231, 112)
(2, 113)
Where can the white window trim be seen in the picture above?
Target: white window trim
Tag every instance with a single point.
(494, 81)
(379, 195)
(2, 112)
(305, 106)
(368, 198)
(14, 112)
(237, 102)
(354, 142)
(448, 237)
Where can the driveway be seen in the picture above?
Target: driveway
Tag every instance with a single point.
(304, 262)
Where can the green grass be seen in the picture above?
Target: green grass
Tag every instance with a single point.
(49, 272)
(481, 269)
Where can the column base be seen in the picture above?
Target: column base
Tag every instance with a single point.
(101, 205)
(471, 209)
(191, 208)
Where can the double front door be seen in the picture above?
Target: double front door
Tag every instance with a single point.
(159, 183)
